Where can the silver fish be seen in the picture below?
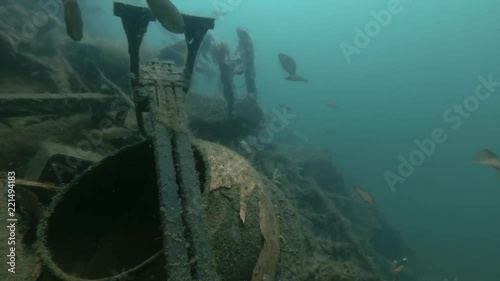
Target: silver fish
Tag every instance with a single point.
(168, 15)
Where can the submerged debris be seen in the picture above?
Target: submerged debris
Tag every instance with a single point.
(247, 52)
(222, 56)
(248, 111)
(309, 182)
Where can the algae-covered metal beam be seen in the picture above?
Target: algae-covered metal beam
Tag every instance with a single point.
(196, 29)
(158, 83)
(204, 262)
(174, 241)
(135, 22)
(160, 90)
(180, 191)
(201, 250)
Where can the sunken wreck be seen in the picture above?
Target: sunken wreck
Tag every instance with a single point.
(122, 172)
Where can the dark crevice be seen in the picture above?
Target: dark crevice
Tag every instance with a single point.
(184, 208)
(200, 168)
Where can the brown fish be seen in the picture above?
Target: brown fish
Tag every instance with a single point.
(168, 15)
(290, 67)
(288, 63)
(73, 19)
(365, 196)
(488, 158)
(296, 78)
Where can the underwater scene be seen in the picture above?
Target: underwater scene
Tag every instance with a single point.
(249, 140)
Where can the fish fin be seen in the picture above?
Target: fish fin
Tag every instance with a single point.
(300, 78)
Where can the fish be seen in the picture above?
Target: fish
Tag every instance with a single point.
(488, 158)
(330, 104)
(296, 78)
(288, 63)
(365, 196)
(290, 67)
(168, 15)
(73, 20)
